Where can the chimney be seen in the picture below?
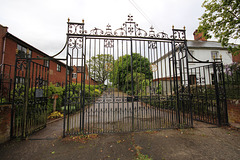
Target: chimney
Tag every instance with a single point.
(3, 31)
(198, 36)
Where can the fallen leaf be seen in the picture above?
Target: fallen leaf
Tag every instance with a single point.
(138, 148)
(119, 141)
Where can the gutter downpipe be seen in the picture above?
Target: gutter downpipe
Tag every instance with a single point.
(3, 53)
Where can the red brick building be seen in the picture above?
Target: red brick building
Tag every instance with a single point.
(78, 73)
(10, 45)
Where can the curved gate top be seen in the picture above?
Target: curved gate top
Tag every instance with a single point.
(125, 79)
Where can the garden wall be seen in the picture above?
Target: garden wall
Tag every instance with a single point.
(5, 123)
(233, 111)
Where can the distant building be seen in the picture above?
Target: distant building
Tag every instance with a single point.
(78, 73)
(202, 50)
(10, 44)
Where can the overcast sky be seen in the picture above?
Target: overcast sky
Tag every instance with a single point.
(42, 23)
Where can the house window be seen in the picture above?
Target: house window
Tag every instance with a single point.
(20, 80)
(192, 79)
(23, 52)
(58, 68)
(80, 69)
(46, 63)
(214, 54)
(74, 75)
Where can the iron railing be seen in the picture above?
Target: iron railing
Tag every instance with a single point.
(232, 80)
(6, 83)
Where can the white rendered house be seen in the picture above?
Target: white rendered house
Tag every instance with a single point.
(199, 73)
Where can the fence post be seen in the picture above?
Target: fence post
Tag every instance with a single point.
(27, 78)
(217, 93)
(132, 87)
(224, 95)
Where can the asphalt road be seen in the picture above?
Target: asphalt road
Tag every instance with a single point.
(202, 142)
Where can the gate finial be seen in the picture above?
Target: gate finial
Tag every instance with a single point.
(68, 19)
(82, 20)
(130, 18)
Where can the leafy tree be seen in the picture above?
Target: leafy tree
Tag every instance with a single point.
(222, 18)
(98, 66)
(138, 79)
(121, 74)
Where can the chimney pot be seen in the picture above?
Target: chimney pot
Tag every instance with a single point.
(199, 36)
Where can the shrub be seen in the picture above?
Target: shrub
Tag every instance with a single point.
(55, 114)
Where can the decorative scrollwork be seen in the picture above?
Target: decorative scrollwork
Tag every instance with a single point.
(141, 33)
(21, 65)
(97, 31)
(120, 32)
(151, 32)
(108, 43)
(76, 29)
(108, 30)
(152, 45)
(75, 43)
(162, 35)
(130, 18)
(178, 34)
(129, 28)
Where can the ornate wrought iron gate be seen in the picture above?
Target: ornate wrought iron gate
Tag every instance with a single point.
(29, 111)
(208, 92)
(126, 80)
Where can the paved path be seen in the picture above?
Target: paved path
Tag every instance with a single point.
(203, 142)
(114, 112)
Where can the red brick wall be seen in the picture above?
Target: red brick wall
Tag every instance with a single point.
(54, 75)
(233, 111)
(10, 55)
(5, 123)
(3, 31)
(236, 58)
